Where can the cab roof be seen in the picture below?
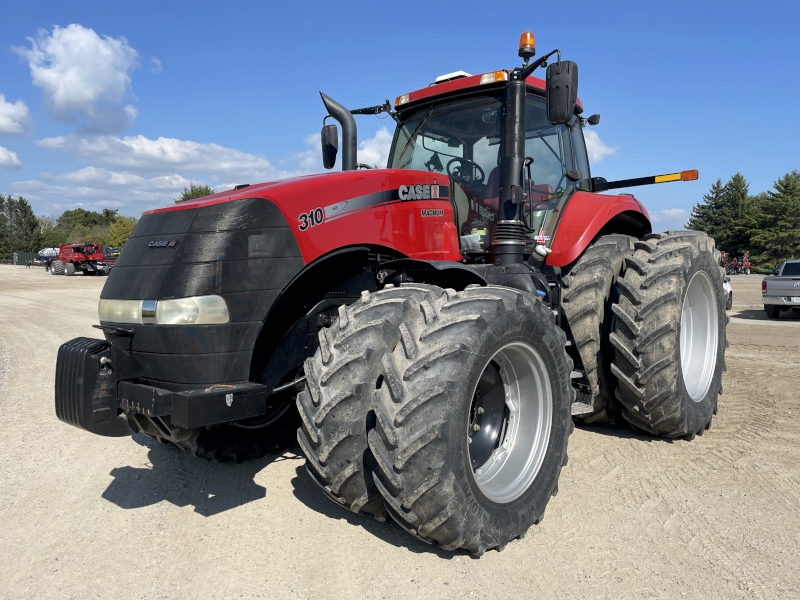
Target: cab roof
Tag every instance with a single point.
(459, 84)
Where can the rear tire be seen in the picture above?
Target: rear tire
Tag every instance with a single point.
(69, 269)
(57, 267)
(589, 292)
(773, 312)
(670, 334)
(729, 303)
(439, 486)
(341, 378)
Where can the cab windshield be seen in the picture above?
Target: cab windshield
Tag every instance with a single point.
(461, 139)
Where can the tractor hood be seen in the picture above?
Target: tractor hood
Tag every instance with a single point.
(247, 245)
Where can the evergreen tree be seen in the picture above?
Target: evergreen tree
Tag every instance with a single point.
(712, 215)
(727, 214)
(778, 237)
(195, 190)
(19, 227)
(120, 230)
(741, 207)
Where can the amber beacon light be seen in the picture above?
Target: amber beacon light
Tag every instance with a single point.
(527, 45)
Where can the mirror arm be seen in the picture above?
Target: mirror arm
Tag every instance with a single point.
(539, 62)
(386, 107)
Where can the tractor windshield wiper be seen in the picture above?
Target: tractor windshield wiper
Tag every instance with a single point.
(414, 133)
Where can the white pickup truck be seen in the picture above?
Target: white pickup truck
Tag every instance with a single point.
(782, 291)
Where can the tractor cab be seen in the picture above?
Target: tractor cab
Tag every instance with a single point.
(462, 138)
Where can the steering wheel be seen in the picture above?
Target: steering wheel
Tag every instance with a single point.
(470, 173)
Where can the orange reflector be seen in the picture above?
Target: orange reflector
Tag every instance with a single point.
(494, 76)
(689, 175)
(527, 44)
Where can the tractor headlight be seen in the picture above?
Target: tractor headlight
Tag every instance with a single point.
(197, 310)
(120, 311)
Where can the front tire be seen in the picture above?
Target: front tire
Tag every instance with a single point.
(670, 334)
(57, 267)
(341, 377)
(69, 269)
(729, 303)
(458, 465)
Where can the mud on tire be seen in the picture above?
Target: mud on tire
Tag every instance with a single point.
(589, 292)
(341, 377)
(426, 404)
(654, 319)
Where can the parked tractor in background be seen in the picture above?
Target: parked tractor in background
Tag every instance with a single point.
(85, 257)
(443, 320)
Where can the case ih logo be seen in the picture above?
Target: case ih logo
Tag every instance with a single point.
(163, 243)
(418, 192)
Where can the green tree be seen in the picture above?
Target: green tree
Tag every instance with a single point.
(728, 214)
(778, 235)
(120, 230)
(195, 190)
(19, 227)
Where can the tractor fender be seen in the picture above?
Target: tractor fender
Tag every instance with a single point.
(586, 215)
(301, 295)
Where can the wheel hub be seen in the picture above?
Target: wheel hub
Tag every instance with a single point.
(699, 336)
(510, 421)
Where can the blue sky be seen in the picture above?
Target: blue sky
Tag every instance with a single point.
(120, 105)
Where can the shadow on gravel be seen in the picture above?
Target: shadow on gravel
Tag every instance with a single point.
(623, 432)
(309, 494)
(184, 480)
(760, 315)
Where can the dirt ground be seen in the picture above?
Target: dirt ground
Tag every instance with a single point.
(90, 517)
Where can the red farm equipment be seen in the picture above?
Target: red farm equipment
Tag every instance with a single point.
(84, 257)
(428, 332)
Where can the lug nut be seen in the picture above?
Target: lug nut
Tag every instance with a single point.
(469, 440)
(476, 427)
(480, 410)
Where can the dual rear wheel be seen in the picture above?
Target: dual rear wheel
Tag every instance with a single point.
(450, 411)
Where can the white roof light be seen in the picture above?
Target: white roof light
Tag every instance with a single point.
(450, 76)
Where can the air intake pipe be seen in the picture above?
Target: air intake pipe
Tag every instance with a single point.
(349, 131)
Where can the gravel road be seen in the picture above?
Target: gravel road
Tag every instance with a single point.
(91, 517)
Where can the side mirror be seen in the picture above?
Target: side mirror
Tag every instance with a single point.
(561, 91)
(330, 145)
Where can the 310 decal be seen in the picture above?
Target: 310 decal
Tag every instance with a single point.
(311, 219)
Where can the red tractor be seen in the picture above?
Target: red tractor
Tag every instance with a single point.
(84, 257)
(433, 327)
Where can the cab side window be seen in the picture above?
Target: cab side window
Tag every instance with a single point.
(580, 161)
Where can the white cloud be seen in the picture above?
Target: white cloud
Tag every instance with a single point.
(596, 148)
(168, 155)
(155, 65)
(375, 151)
(84, 77)
(14, 118)
(9, 160)
(669, 218)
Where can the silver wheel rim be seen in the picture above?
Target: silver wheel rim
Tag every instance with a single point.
(698, 337)
(522, 444)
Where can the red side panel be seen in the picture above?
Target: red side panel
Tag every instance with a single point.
(330, 211)
(584, 216)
